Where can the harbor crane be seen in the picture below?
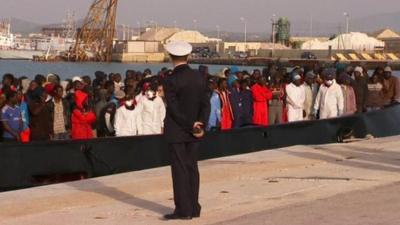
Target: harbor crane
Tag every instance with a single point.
(94, 40)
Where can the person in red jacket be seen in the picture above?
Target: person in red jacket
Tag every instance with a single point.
(82, 118)
(226, 108)
(261, 96)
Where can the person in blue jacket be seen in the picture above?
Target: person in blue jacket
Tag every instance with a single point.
(215, 101)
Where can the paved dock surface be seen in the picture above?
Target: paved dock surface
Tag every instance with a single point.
(337, 184)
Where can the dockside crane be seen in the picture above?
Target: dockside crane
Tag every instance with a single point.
(94, 40)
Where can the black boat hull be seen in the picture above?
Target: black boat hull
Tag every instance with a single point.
(21, 166)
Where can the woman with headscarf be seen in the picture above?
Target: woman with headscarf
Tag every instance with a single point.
(226, 107)
(82, 118)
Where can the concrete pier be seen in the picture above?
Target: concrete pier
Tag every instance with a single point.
(350, 184)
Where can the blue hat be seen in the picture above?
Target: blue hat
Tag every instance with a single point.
(231, 79)
(234, 69)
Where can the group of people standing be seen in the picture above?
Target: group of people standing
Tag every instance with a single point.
(47, 108)
(276, 96)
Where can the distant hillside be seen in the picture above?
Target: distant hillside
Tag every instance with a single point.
(78, 24)
(24, 27)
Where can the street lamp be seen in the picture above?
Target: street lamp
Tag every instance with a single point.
(273, 28)
(347, 16)
(139, 29)
(245, 28)
(273, 34)
(123, 32)
(195, 24)
(218, 37)
(218, 32)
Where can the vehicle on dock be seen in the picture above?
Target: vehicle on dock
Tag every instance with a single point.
(308, 55)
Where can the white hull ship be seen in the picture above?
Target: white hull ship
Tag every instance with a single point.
(8, 47)
(19, 54)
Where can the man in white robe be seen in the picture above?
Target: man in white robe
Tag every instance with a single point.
(126, 120)
(329, 101)
(151, 114)
(295, 97)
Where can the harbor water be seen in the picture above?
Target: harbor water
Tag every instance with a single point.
(68, 69)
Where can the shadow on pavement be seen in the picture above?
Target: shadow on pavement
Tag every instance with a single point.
(97, 187)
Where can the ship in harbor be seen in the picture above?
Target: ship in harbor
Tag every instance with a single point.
(8, 45)
(35, 46)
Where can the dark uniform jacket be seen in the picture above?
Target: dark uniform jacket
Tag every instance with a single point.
(187, 100)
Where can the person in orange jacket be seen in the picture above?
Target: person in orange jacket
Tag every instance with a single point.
(261, 96)
(226, 107)
(82, 118)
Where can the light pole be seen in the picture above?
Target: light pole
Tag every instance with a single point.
(123, 32)
(347, 16)
(195, 24)
(245, 32)
(245, 28)
(273, 33)
(218, 37)
(139, 29)
(218, 32)
(311, 26)
(311, 29)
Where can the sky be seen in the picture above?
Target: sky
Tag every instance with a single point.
(208, 13)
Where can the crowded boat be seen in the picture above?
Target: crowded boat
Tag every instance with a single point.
(112, 105)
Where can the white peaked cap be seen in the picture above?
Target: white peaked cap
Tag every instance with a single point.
(359, 69)
(76, 78)
(179, 48)
(388, 69)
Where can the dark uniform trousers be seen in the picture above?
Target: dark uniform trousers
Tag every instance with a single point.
(185, 177)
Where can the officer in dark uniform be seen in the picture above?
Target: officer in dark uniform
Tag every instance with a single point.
(188, 110)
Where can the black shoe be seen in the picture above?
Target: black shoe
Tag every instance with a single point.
(175, 216)
(197, 213)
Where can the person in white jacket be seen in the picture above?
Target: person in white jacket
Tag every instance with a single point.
(151, 114)
(126, 119)
(329, 101)
(295, 97)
